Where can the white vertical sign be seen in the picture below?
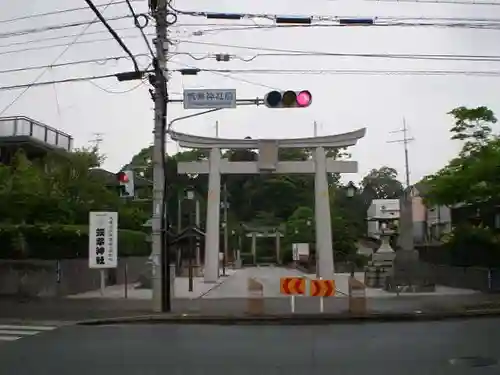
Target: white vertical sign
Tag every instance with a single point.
(103, 240)
(295, 251)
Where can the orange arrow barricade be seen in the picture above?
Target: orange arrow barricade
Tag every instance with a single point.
(292, 286)
(322, 288)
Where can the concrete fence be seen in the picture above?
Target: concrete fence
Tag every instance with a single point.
(51, 278)
(477, 278)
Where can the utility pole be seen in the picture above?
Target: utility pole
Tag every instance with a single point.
(405, 141)
(226, 232)
(160, 255)
(216, 129)
(315, 129)
(97, 140)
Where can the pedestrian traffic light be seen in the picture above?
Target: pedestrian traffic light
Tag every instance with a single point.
(288, 99)
(126, 183)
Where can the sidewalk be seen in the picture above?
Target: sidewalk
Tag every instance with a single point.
(68, 310)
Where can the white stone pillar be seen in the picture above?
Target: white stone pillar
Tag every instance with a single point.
(254, 247)
(324, 246)
(211, 273)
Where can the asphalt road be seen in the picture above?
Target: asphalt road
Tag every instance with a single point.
(380, 348)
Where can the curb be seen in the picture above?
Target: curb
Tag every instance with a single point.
(295, 319)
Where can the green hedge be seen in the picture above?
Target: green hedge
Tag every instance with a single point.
(61, 242)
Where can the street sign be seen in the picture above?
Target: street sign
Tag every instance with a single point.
(292, 285)
(103, 240)
(322, 288)
(206, 98)
(300, 251)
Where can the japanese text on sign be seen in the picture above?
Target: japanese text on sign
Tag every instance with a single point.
(216, 98)
(103, 230)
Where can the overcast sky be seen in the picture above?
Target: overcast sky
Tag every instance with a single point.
(341, 102)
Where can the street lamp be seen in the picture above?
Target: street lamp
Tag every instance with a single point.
(351, 189)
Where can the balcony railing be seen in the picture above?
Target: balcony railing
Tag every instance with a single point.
(20, 126)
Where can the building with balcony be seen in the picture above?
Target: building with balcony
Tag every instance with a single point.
(34, 137)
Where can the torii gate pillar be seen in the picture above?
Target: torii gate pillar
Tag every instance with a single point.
(268, 163)
(324, 243)
(212, 237)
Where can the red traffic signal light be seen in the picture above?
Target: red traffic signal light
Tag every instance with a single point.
(122, 177)
(288, 99)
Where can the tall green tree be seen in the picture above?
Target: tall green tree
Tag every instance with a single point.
(472, 176)
(382, 183)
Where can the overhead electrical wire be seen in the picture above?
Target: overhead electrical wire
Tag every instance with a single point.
(61, 54)
(268, 71)
(292, 52)
(60, 81)
(60, 26)
(432, 57)
(140, 26)
(228, 76)
(57, 12)
(464, 25)
(38, 48)
(68, 63)
(438, 2)
(483, 73)
(345, 20)
(108, 91)
(112, 32)
(61, 37)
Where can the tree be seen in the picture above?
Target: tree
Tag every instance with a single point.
(381, 183)
(471, 177)
(57, 189)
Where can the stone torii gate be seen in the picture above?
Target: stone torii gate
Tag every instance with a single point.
(268, 163)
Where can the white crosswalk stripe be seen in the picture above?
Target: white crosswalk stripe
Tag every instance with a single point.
(16, 332)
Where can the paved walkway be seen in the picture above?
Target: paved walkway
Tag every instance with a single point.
(236, 285)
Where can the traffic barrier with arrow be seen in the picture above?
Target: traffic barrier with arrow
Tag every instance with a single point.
(292, 286)
(322, 288)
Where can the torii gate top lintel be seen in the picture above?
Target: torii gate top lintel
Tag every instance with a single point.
(336, 140)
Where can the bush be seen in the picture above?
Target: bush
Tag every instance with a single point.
(465, 246)
(61, 242)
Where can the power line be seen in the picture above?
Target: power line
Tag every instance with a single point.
(108, 91)
(305, 53)
(112, 32)
(56, 12)
(55, 27)
(65, 44)
(141, 27)
(26, 88)
(405, 141)
(438, 57)
(67, 80)
(341, 20)
(60, 37)
(482, 73)
(68, 63)
(441, 2)
(228, 76)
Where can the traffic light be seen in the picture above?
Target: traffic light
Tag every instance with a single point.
(126, 183)
(288, 99)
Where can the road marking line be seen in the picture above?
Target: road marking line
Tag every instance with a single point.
(16, 332)
(9, 338)
(28, 328)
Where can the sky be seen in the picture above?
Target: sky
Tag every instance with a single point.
(121, 113)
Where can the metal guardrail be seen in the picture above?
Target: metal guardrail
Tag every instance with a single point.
(20, 126)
